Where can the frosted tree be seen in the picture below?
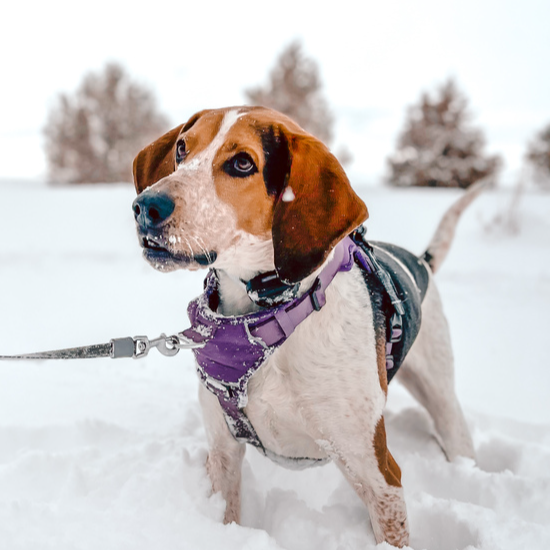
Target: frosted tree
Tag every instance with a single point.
(93, 135)
(438, 147)
(538, 155)
(294, 87)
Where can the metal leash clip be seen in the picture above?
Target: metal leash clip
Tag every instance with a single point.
(139, 346)
(117, 348)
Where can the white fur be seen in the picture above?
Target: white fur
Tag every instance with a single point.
(203, 161)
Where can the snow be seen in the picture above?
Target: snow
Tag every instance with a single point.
(288, 195)
(110, 454)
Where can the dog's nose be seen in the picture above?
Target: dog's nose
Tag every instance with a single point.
(152, 208)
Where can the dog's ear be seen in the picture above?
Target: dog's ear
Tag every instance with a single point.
(158, 159)
(315, 208)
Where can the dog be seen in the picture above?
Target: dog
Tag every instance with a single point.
(245, 191)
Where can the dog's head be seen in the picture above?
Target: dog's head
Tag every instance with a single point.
(242, 189)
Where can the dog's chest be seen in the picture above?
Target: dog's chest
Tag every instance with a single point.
(325, 372)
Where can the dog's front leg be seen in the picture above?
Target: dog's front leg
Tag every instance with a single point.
(363, 457)
(225, 456)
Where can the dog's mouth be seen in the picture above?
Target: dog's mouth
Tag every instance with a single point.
(151, 244)
(158, 254)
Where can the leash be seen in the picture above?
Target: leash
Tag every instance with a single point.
(136, 348)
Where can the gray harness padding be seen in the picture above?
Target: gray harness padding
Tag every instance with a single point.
(410, 277)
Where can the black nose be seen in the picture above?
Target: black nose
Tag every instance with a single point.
(152, 208)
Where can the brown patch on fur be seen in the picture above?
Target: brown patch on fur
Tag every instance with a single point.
(325, 207)
(381, 357)
(380, 303)
(324, 210)
(386, 463)
(156, 161)
(201, 134)
(262, 117)
(247, 196)
(250, 202)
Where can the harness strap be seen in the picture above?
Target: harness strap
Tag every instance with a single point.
(281, 324)
(395, 323)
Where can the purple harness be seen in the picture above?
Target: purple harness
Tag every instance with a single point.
(236, 347)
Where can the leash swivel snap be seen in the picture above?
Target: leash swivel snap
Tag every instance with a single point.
(139, 346)
(166, 345)
(136, 348)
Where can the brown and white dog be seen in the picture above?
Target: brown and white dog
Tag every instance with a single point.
(246, 191)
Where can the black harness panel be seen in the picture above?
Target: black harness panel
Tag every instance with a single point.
(415, 265)
(410, 278)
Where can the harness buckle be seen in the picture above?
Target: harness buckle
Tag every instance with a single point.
(229, 392)
(396, 328)
(252, 338)
(267, 290)
(215, 386)
(317, 304)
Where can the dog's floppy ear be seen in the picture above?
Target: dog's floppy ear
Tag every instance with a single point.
(315, 209)
(158, 159)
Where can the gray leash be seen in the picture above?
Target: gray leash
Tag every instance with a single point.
(136, 347)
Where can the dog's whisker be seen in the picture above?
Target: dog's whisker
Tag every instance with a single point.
(202, 247)
(188, 245)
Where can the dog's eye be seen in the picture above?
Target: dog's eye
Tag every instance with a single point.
(181, 153)
(240, 166)
(243, 164)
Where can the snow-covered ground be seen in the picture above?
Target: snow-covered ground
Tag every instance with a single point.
(110, 454)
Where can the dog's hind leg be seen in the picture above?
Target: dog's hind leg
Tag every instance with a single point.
(428, 373)
(225, 456)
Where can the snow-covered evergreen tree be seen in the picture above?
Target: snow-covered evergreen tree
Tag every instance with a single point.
(295, 89)
(438, 147)
(538, 155)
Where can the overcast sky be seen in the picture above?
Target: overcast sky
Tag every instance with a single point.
(375, 59)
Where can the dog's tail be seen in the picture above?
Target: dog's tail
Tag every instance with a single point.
(443, 238)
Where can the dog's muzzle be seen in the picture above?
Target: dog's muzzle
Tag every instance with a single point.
(151, 210)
